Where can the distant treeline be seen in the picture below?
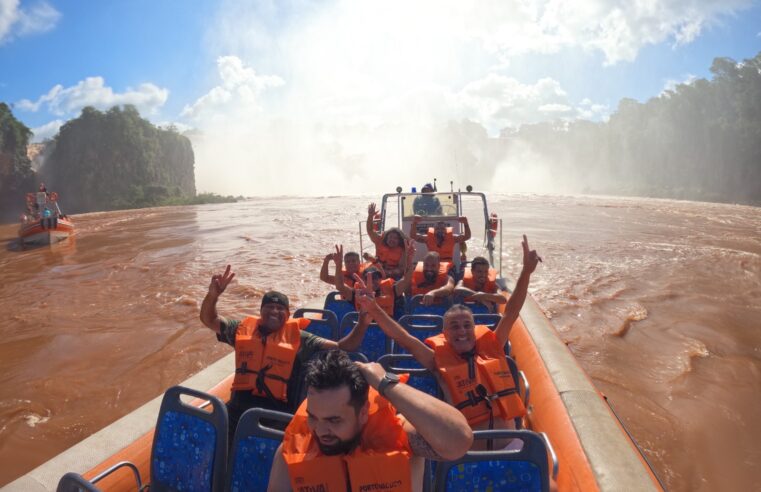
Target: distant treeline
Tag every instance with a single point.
(699, 141)
(103, 161)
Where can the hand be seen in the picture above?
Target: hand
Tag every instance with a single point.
(368, 257)
(409, 246)
(338, 256)
(364, 296)
(530, 257)
(220, 282)
(428, 299)
(416, 219)
(371, 211)
(462, 220)
(373, 372)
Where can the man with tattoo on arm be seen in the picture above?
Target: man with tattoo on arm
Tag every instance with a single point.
(347, 434)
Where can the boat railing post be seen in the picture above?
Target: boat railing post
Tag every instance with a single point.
(500, 248)
(361, 249)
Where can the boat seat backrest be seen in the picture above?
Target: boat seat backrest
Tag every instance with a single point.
(324, 326)
(375, 344)
(420, 326)
(415, 306)
(190, 443)
(338, 306)
(254, 449)
(526, 468)
(420, 378)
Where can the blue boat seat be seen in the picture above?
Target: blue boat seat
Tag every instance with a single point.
(254, 449)
(420, 378)
(420, 326)
(190, 443)
(375, 343)
(505, 470)
(338, 306)
(415, 306)
(324, 326)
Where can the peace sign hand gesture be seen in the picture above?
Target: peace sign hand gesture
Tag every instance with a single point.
(530, 257)
(220, 282)
(364, 295)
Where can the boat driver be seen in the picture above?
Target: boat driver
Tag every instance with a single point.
(347, 434)
(427, 203)
(469, 360)
(440, 238)
(270, 350)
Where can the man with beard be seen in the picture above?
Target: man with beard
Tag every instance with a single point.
(469, 360)
(440, 238)
(347, 434)
(270, 350)
(433, 279)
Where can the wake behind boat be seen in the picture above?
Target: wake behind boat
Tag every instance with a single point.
(569, 423)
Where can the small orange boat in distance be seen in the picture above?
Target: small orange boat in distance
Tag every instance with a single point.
(43, 223)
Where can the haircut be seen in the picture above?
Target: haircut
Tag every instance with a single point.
(458, 308)
(433, 254)
(479, 260)
(332, 369)
(350, 254)
(402, 236)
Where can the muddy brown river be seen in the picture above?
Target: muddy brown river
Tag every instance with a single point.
(659, 300)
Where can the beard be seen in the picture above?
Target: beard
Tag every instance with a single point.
(339, 447)
(430, 277)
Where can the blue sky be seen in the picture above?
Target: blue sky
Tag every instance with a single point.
(233, 66)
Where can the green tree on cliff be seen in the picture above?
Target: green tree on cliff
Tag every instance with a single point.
(16, 175)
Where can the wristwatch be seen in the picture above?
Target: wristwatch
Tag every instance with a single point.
(389, 379)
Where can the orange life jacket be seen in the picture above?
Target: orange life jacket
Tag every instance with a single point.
(489, 370)
(264, 365)
(386, 298)
(349, 279)
(389, 257)
(490, 286)
(419, 285)
(446, 250)
(380, 462)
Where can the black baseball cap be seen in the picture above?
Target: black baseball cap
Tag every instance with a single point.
(275, 297)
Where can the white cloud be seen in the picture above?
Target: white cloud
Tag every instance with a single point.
(15, 21)
(92, 91)
(48, 130)
(671, 84)
(239, 91)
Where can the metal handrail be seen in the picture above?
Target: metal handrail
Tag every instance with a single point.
(554, 457)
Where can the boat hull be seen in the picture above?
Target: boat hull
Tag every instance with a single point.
(36, 233)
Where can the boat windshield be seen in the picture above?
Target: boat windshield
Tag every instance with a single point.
(429, 204)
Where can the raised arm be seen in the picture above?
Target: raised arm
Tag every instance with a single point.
(280, 481)
(392, 329)
(353, 340)
(435, 429)
(324, 275)
(443, 291)
(463, 237)
(338, 259)
(413, 230)
(402, 285)
(518, 297)
(374, 236)
(217, 286)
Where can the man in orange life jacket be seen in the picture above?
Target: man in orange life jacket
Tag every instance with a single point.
(269, 350)
(440, 238)
(478, 284)
(469, 360)
(433, 279)
(387, 291)
(390, 246)
(352, 263)
(347, 434)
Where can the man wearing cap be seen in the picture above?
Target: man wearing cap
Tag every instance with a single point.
(427, 203)
(270, 350)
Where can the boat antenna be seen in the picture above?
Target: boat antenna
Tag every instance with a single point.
(434, 185)
(451, 186)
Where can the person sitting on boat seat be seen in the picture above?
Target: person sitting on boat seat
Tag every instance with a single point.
(387, 290)
(433, 279)
(427, 203)
(479, 284)
(440, 238)
(351, 263)
(469, 360)
(389, 246)
(347, 434)
(269, 350)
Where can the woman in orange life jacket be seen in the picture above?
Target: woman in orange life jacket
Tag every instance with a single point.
(432, 279)
(269, 349)
(347, 434)
(389, 247)
(352, 263)
(478, 284)
(440, 238)
(386, 290)
(469, 361)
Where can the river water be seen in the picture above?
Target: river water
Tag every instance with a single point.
(659, 300)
